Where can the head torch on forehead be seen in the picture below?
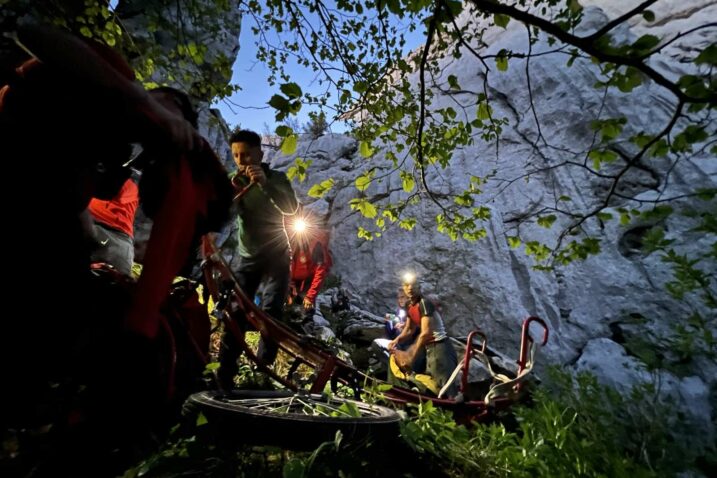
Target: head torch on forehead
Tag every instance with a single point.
(409, 278)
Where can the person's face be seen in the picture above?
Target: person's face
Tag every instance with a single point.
(246, 155)
(410, 289)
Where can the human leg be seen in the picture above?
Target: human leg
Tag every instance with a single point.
(115, 248)
(248, 278)
(276, 288)
(441, 361)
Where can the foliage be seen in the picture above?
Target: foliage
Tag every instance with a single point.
(357, 49)
(574, 428)
(166, 44)
(317, 125)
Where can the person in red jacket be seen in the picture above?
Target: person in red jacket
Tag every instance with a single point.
(310, 264)
(114, 228)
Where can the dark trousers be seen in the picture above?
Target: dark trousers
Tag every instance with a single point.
(113, 247)
(272, 272)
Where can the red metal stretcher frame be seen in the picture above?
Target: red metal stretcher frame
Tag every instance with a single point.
(236, 305)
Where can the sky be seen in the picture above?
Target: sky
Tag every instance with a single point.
(248, 107)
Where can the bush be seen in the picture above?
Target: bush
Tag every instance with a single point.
(575, 427)
(317, 126)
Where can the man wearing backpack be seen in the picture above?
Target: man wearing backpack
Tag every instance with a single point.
(310, 264)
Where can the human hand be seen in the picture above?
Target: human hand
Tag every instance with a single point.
(255, 173)
(308, 304)
(392, 344)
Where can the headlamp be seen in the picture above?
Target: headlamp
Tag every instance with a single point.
(300, 225)
(409, 278)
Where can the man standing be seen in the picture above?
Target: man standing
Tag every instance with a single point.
(263, 198)
(441, 358)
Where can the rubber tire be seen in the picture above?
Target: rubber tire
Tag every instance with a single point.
(287, 430)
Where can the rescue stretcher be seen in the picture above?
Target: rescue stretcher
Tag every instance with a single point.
(328, 369)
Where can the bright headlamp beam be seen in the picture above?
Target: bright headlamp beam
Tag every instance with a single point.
(300, 226)
(409, 278)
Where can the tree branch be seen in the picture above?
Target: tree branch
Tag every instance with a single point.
(612, 24)
(587, 45)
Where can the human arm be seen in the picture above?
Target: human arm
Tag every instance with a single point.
(406, 359)
(99, 68)
(320, 272)
(406, 333)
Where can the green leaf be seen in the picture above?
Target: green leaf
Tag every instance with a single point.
(513, 242)
(501, 61)
(501, 20)
(283, 131)
(319, 190)
(484, 111)
(540, 251)
(624, 216)
(574, 6)
(659, 149)
(365, 234)
(390, 214)
(362, 182)
(706, 194)
(299, 169)
(707, 56)
(201, 420)
(365, 207)
(601, 156)
(365, 149)
(407, 181)
(294, 468)
(573, 55)
(645, 43)
(695, 134)
(407, 224)
(288, 146)
(657, 213)
(604, 216)
(547, 221)
(610, 128)
(482, 213)
(292, 90)
(648, 15)
(641, 140)
(453, 82)
(281, 105)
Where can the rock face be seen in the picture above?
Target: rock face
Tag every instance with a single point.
(616, 296)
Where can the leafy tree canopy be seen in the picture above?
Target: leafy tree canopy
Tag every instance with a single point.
(357, 49)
